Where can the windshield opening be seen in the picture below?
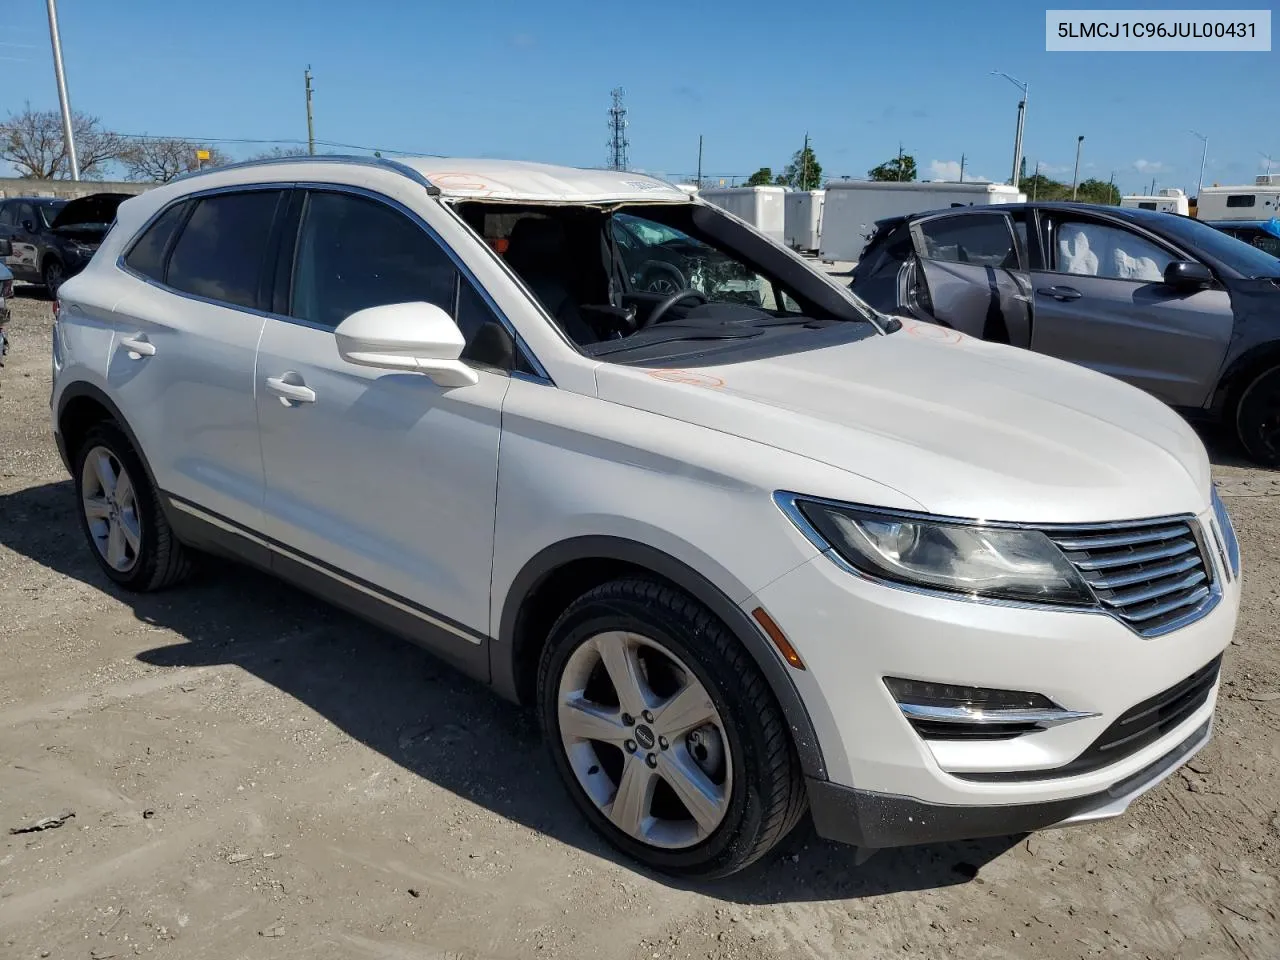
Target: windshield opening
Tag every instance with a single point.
(47, 211)
(665, 282)
(1245, 259)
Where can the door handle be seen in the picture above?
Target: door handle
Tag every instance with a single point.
(291, 392)
(138, 346)
(1060, 293)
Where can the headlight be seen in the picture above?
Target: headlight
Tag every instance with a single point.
(984, 561)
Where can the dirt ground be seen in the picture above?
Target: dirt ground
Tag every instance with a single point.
(254, 775)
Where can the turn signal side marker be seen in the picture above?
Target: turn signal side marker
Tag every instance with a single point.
(778, 637)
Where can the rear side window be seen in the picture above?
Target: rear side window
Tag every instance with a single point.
(981, 239)
(354, 253)
(147, 255)
(1241, 200)
(6, 214)
(221, 250)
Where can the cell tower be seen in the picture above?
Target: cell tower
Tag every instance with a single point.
(618, 143)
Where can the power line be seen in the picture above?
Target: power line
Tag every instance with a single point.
(618, 142)
(279, 140)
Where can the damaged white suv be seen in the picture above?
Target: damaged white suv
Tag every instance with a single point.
(749, 548)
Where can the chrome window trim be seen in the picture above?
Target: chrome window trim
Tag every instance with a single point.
(540, 372)
(787, 502)
(382, 163)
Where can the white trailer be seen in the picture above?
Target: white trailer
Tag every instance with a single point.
(762, 207)
(1261, 201)
(803, 219)
(853, 206)
(1171, 200)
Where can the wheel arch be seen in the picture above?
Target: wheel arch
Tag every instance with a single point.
(562, 572)
(80, 406)
(1239, 374)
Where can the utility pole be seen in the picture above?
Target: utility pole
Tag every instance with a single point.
(899, 160)
(1022, 119)
(804, 164)
(962, 168)
(1204, 155)
(1035, 182)
(1268, 159)
(311, 127)
(68, 136)
(618, 143)
(1111, 189)
(1075, 177)
(699, 180)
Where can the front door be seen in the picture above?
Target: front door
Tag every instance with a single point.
(1101, 301)
(970, 274)
(381, 482)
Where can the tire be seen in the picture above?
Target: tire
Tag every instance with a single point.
(126, 530)
(1257, 415)
(660, 277)
(54, 274)
(750, 791)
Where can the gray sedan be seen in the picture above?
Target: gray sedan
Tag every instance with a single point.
(1162, 301)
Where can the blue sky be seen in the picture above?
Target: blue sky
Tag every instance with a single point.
(532, 80)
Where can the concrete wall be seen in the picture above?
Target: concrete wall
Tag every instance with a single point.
(24, 187)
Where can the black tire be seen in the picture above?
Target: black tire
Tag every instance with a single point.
(161, 561)
(767, 798)
(1257, 415)
(661, 277)
(54, 275)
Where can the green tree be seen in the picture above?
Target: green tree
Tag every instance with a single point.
(1098, 191)
(804, 172)
(1040, 187)
(761, 178)
(899, 168)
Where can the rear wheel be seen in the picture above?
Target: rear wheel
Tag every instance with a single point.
(1258, 418)
(121, 516)
(665, 732)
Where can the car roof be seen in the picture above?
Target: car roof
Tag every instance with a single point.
(1132, 214)
(506, 180)
(1238, 224)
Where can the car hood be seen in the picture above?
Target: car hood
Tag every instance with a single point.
(962, 427)
(97, 208)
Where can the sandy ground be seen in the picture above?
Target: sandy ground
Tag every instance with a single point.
(255, 775)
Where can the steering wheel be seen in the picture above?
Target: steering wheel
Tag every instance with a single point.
(667, 304)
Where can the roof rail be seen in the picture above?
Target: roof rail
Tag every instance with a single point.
(393, 165)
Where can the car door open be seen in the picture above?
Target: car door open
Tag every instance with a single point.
(969, 274)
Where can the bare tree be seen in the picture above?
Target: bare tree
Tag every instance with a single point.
(279, 153)
(32, 141)
(163, 158)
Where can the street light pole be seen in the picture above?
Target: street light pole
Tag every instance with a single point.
(68, 138)
(1075, 177)
(1022, 119)
(1204, 155)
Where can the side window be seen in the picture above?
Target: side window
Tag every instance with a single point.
(221, 250)
(147, 255)
(6, 214)
(1088, 249)
(1241, 200)
(27, 214)
(354, 252)
(982, 239)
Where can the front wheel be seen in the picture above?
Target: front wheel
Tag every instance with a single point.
(1258, 418)
(665, 732)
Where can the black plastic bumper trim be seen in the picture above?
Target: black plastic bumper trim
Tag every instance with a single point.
(878, 820)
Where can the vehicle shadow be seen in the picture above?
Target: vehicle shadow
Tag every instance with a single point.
(421, 714)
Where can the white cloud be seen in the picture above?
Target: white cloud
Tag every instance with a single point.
(1050, 169)
(1151, 166)
(950, 170)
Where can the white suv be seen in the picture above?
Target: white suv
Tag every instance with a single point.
(748, 547)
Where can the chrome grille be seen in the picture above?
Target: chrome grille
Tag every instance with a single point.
(1153, 576)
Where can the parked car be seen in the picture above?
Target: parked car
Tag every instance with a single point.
(1161, 301)
(1263, 234)
(661, 259)
(742, 560)
(6, 294)
(53, 239)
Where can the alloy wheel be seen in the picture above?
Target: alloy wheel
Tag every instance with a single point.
(644, 740)
(109, 500)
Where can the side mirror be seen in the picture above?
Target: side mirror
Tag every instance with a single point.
(6, 248)
(1187, 275)
(28, 226)
(413, 337)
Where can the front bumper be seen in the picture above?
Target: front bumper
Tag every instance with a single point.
(889, 785)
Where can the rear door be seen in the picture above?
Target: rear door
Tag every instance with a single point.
(181, 365)
(970, 274)
(1101, 301)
